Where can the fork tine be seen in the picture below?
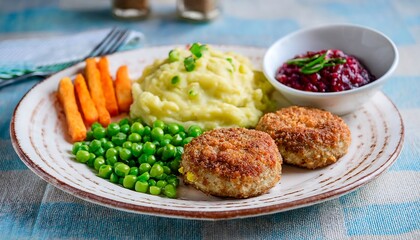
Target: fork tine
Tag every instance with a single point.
(99, 48)
(124, 35)
(115, 42)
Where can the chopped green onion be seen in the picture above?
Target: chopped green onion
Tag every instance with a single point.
(230, 60)
(192, 93)
(189, 64)
(173, 56)
(197, 49)
(175, 80)
(315, 63)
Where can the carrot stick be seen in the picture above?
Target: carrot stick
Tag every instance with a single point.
(108, 87)
(95, 88)
(123, 89)
(87, 105)
(76, 127)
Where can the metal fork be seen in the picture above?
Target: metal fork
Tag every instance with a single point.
(110, 44)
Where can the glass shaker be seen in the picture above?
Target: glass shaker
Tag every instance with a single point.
(198, 10)
(130, 9)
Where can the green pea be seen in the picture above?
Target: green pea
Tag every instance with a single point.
(161, 183)
(167, 136)
(137, 128)
(141, 186)
(134, 137)
(159, 124)
(119, 139)
(173, 128)
(114, 178)
(136, 149)
(91, 159)
(118, 148)
(121, 169)
(95, 125)
(162, 176)
(111, 152)
(125, 154)
(134, 171)
(146, 138)
(89, 135)
(155, 190)
(159, 152)
(182, 134)
(111, 160)
(151, 182)
(179, 151)
(76, 147)
(124, 121)
(100, 151)
(125, 128)
(84, 147)
(144, 177)
(115, 165)
(107, 145)
(99, 161)
(142, 158)
(157, 144)
(174, 165)
(156, 170)
(105, 171)
(103, 141)
(121, 180)
(187, 140)
(176, 140)
(99, 132)
(127, 145)
(113, 129)
(144, 167)
(151, 159)
(165, 142)
(129, 181)
(194, 131)
(94, 145)
(147, 131)
(167, 170)
(157, 134)
(170, 191)
(149, 148)
(173, 180)
(169, 151)
(82, 156)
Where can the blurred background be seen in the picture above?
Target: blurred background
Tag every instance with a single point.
(245, 22)
(264, 20)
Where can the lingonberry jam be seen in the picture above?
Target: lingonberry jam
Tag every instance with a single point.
(324, 71)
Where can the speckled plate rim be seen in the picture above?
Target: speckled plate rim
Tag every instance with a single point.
(204, 215)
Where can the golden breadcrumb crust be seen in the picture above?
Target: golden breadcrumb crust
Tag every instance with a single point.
(232, 162)
(307, 137)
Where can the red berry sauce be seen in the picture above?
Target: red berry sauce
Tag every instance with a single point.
(336, 78)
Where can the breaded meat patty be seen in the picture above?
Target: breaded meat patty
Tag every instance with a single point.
(232, 162)
(307, 137)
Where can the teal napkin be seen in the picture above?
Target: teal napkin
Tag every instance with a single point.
(21, 56)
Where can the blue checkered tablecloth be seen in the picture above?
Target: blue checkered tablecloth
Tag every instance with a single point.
(386, 208)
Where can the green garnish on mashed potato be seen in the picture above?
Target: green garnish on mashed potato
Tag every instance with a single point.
(222, 90)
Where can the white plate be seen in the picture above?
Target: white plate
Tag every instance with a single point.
(39, 137)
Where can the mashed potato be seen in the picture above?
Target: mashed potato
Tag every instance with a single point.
(222, 91)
